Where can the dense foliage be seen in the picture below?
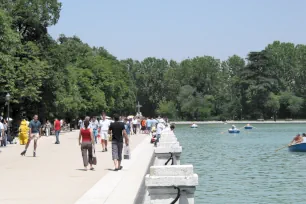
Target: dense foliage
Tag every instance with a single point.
(67, 78)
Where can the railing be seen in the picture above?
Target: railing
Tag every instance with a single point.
(170, 184)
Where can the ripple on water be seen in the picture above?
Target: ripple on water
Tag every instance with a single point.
(245, 168)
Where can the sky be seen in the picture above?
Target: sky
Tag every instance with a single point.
(180, 29)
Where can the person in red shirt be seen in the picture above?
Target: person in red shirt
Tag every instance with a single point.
(87, 142)
(57, 128)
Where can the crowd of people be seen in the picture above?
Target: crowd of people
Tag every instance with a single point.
(93, 130)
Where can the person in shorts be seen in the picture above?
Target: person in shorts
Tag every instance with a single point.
(94, 125)
(117, 129)
(35, 134)
(104, 126)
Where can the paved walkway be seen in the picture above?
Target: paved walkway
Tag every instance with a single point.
(56, 175)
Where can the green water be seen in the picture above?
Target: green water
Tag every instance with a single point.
(244, 168)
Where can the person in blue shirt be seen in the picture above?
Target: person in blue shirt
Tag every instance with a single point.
(35, 134)
(127, 127)
(149, 125)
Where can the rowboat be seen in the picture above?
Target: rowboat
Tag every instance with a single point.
(248, 127)
(194, 126)
(233, 131)
(301, 147)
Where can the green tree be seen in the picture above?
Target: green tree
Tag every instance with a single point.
(168, 109)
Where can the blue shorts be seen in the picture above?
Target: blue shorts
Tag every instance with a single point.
(149, 129)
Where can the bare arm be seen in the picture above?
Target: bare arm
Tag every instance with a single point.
(91, 136)
(126, 138)
(80, 136)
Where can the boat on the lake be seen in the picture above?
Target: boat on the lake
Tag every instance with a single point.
(194, 125)
(301, 147)
(248, 127)
(233, 130)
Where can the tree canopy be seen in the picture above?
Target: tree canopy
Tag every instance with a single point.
(67, 78)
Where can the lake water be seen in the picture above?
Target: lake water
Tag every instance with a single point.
(244, 168)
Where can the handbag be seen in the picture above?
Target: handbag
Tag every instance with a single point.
(126, 152)
(94, 158)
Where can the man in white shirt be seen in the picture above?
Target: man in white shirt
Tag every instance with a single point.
(135, 122)
(160, 127)
(104, 126)
(2, 131)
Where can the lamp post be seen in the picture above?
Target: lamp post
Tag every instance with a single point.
(8, 98)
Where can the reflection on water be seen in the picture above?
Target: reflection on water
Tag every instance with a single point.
(244, 168)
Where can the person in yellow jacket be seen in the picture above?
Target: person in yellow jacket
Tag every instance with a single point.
(23, 132)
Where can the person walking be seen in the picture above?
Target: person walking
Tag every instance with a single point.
(149, 125)
(104, 126)
(57, 128)
(94, 125)
(48, 128)
(86, 142)
(117, 129)
(2, 132)
(4, 136)
(135, 122)
(127, 127)
(35, 134)
(160, 127)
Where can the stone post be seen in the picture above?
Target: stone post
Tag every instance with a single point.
(168, 183)
(163, 153)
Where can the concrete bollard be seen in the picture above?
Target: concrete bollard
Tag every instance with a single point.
(168, 183)
(163, 154)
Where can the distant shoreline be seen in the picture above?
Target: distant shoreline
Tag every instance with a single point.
(241, 122)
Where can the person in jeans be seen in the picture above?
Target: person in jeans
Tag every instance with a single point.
(117, 129)
(35, 134)
(86, 142)
(57, 128)
(94, 125)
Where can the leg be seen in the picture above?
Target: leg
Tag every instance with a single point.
(157, 140)
(26, 147)
(28, 143)
(90, 149)
(57, 136)
(103, 136)
(102, 142)
(95, 135)
(120, 147)
(84, 155)
(115, 154)
(35, 145)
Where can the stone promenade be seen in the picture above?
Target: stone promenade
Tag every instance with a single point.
(56, 175)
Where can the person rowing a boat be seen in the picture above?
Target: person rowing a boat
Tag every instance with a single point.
(296, 140)
(233, 127)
